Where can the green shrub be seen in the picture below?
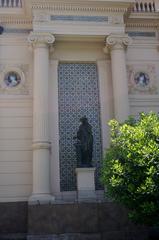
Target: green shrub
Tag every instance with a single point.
(130, 169)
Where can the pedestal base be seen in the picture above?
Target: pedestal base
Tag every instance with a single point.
(40, 199)
(85, 184)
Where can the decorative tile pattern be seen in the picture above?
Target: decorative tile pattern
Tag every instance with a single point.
(142, 34)
(79, 18)
(78, 96)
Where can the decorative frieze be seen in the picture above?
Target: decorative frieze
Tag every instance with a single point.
(142, 79)
(43, 17)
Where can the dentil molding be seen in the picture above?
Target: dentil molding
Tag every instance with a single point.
(77, 6)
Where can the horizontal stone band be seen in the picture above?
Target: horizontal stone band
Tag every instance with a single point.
(41, 145)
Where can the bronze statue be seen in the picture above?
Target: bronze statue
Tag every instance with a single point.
(84, 144)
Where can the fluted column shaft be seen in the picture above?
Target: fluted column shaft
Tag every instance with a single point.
(117, 44)
(41, 144)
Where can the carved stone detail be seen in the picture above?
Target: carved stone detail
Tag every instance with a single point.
(23, 88)
(117, 41)
(117, 20)
(41, 17)
(40, 38)
(148, 69)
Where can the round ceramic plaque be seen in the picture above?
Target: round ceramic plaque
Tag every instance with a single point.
(142, 79)
(12, 79)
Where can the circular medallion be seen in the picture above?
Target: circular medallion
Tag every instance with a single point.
(12, 79)
(141, 79)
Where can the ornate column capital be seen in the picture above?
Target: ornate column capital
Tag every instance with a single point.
(117, 41)
(41, 39)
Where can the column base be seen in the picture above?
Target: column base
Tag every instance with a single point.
(40, 199)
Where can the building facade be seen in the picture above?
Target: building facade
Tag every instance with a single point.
(61, 60)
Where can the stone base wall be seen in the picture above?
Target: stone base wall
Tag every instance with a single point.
(68, 221)
(14, 236)
(83, 221)
(90, 236)
(13, 218)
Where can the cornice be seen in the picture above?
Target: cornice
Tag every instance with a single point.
(146, 20)
(26, 18)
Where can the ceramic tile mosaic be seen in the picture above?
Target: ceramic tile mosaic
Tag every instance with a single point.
(79, 18)
(141, 34)
(78, 96)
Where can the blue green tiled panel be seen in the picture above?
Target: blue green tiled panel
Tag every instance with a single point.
(78, 96)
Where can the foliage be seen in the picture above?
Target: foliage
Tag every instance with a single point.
(130, 169)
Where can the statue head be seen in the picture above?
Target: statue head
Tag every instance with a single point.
(83, 119)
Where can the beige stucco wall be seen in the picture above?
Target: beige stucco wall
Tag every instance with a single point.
(15, 122)
(143, 55)
(16, 108)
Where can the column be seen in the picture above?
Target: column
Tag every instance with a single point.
(41, 144)
(117, 44)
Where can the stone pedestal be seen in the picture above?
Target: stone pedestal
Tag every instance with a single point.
(85, 183)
